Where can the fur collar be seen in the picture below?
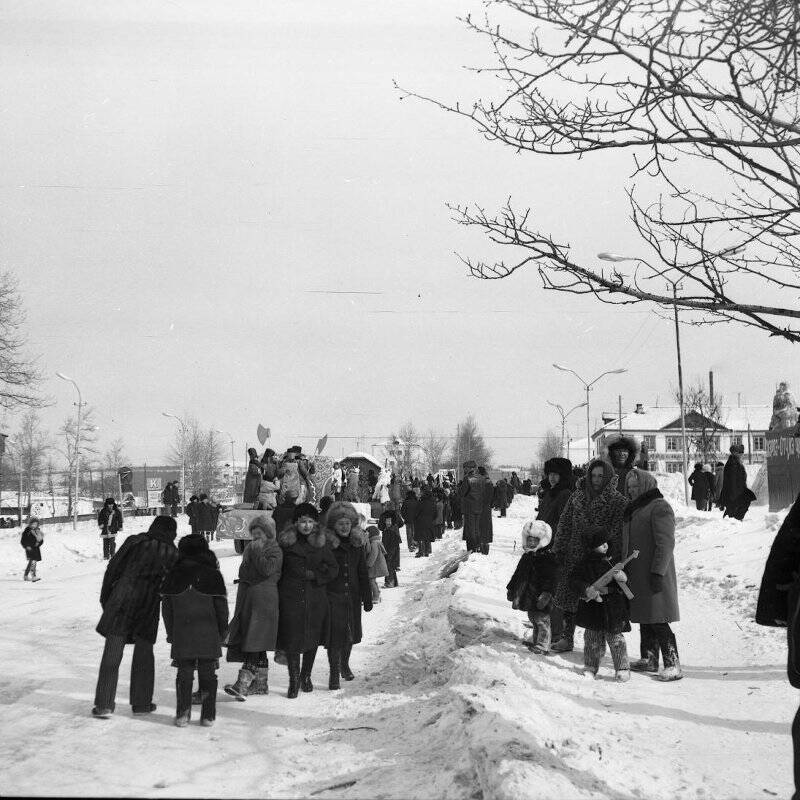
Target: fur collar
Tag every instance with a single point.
(357, 538)
(289, 537)
(195, 572)
(641, 501)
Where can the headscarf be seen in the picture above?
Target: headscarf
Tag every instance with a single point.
(608, 474)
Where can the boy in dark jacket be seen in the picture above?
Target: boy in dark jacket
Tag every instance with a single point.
(389, 524)
(195, 610)
(32, 539)
(532, 585)
(603, 614)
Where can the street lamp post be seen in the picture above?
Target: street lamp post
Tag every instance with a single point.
(685, 454)
(588, 387)
(564, 416)
(77, 449)
(233, 458)
(183, 457)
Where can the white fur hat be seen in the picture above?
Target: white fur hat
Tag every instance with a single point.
(538, 528)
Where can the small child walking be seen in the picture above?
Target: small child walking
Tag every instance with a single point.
(195, 610)
(532, 585)
(603, 614)
(389, 523)
(376, 561)
(32, 539)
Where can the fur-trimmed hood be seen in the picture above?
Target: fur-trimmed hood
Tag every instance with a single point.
(266, 523)
(357, 537)
(623, 442)
(289, 536)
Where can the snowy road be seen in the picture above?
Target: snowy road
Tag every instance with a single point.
(446, 702)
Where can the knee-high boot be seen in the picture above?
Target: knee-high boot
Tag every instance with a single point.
(305, 672)
(334, 660)
(347, 673)
(293, 662)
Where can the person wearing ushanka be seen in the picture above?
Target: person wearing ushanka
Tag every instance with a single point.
(308, 566)
(556, 492)
(622, 452)
(109, 520)
(348, 591)
(595, 503)
(253, 478)
(194, 605)
(130, 600)
(254, 627)
(735, 497)
(649, 527)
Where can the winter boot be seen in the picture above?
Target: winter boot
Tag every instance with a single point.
(622, 675)
(240, 689)
(671, 673)
(208, 713)
(563, 645)
(294, 674)
(182, 720)
(334, 657)
(649, 664)
(102, 713)
(260, 684)
(305, 672)
(347, 673)
(26, 577)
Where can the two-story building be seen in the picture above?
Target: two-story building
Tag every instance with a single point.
(659, 430)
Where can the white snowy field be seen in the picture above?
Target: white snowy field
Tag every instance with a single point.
(446, 703)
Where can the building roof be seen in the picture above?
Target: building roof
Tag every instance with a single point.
(732, 418)
(365, 456)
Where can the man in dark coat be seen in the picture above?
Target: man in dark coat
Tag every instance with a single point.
(735, 497)
(252, 480)
(779, 606)
(424, 522)
(622, 452)
(471, 492)
(500, 498)
(486, 533)
(408, 511)
(130, 603)
(700, 487)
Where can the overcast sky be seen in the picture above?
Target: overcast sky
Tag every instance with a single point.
(183, 183)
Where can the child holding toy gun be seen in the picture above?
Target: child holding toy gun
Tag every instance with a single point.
(603, 611)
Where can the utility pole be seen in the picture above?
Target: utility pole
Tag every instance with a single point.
(680, 396)
(77, 449)
(619, 413)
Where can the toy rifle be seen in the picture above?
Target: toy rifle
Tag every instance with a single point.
(601, 584)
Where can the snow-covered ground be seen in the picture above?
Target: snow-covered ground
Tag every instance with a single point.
(446, 703)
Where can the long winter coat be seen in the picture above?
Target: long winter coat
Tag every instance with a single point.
(191, 512)
(308, 566)
(734, 483)
(699, 483)
(500, 497)
(612, 614)
(391, 539)
(109, 521)
(252, 482)
(408, 510)
(376, 555)
(207, 516)
(254, 627)
(195, 607)
(486, 531)
(536, 572)
(349, 590)
(31, 542)
(424, 519)
(779, 596)
(584, 512)
(471, 491)
(649, 527)
(554, 498)
(130, 594)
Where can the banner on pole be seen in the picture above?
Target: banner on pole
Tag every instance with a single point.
(321, 444)
(263, 434)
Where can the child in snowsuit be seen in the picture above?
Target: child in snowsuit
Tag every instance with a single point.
(376, 561)
(32, 539)
(195, 610)
(604, 615)
(389, 523)
(532, 585)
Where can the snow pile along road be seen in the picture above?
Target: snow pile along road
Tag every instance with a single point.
(447, 702)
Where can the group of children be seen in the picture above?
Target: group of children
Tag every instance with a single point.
(603, 611)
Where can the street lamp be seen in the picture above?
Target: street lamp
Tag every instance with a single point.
(233, 458)
(183, 456)
(685, 454)
(564, 421)
(588, 387)
(77, 448)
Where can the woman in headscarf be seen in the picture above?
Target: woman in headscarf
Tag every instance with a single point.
(649, 527)
(594, 504)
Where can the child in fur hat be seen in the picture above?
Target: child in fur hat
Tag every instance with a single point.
(532, 585)
(389, 522)
(195, 610)
(376, 561)
(604, 615)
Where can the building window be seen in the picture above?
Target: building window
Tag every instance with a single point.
(649, 441)
(759, 443)
(674, 444)
(673, 466)
(737, 439)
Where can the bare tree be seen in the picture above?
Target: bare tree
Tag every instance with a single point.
(435, 448)
(51, 483)
(31, 444)
(202, 450)
(704, 94)
(407, 452)
(469, 444)
(703, 421)
(115, 456)
(19, 375)
(75, 443)
(549, 447)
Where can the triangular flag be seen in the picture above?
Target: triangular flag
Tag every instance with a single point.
(321, 444)
(263, 434)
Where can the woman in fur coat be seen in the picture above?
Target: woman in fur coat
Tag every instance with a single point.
(348, 591)
(308, 567)
(109, 520)
(32, 540)
(254, 627)
(595, 503)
